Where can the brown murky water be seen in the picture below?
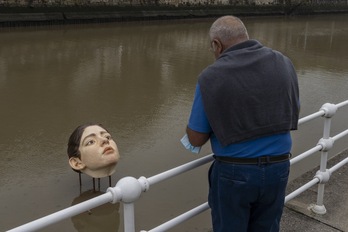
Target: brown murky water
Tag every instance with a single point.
(138, 80)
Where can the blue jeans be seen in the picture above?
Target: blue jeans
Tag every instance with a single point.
(247, 198)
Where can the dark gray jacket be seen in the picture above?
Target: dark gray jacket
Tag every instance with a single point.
(250, 91)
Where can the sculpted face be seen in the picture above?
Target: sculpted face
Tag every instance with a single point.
(98, 153)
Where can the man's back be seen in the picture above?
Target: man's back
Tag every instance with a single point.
(250, 91)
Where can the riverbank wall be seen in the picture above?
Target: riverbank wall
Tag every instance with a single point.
(26, 15)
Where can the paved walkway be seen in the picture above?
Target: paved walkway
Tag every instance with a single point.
(297, 216)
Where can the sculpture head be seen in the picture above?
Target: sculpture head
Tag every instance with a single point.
(92, 151)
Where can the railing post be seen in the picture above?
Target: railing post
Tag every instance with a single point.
(128, 190)
(129, 222)
(326, 142)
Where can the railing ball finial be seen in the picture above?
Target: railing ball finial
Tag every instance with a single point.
(329, 109)
(130, 189)
(326, 144)
(127, 190)
(323, 177)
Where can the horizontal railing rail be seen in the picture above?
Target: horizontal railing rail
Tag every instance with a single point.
(129, 189)
(314, 181)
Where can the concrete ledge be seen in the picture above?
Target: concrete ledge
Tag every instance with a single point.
(31, 17)
(66, 17)
(28, 16)
(69, 17)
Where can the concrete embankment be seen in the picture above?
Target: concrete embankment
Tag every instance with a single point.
(85, 15)
(18, 16)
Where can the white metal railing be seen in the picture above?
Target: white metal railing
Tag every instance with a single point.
(129, 189)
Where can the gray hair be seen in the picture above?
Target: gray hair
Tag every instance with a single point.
(228, 29)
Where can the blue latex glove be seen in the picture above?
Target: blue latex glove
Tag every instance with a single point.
(185, 141)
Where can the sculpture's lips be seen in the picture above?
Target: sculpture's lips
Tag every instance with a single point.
(108, 150)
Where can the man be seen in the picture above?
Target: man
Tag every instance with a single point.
(246, 103)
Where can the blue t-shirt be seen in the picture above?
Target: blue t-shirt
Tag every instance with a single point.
(265, 146)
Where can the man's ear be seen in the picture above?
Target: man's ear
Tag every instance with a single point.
(213, 45)
(217, 47)
(76, 163)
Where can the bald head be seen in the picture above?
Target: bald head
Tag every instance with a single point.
(229, 30)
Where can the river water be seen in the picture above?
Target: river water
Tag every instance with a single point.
(138, 80)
